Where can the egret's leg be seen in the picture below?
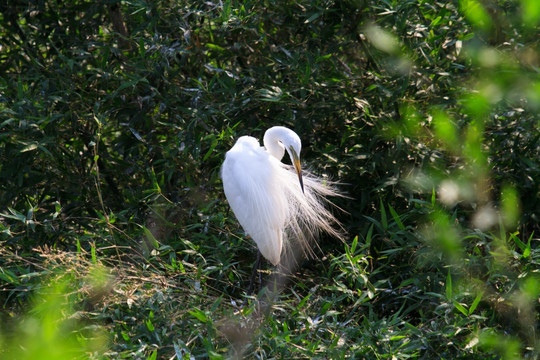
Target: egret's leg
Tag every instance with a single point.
(260, 261)
(256, 268)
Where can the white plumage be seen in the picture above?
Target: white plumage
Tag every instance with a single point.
(273, 202)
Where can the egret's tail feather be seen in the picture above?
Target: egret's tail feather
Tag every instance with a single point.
(310, 213)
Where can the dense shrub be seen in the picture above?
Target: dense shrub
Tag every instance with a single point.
(114, 120)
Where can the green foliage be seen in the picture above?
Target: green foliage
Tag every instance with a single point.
(115, 237)
(53, 328)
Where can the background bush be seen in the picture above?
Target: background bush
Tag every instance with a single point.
(114, 120)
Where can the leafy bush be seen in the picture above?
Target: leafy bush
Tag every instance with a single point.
(114, 120)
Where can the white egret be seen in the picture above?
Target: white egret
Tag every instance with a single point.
(273, 202)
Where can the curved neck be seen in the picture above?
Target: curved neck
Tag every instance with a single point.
(273, 144)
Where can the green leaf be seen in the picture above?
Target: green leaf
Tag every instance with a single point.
(353, 245)
(8, 277)
(150, 237)
(286, 332)
(30, 147)
(435, 21)
(384, 220)
(153, 355)
(396, 218)
(272, 94)
(369, 236)
(149, 325)
(46, 151)
(527, 251)
(93, 252)
(475, 12)
(461, 308)
(14, 215)
(30, 214)
(449, 286)
(531, 12)
(446, 130)
(510, 206)
(199, 315)
(155, 183)
(213, 145)
(322, 58)
(518, 242)
(215, 47)
(312, 18)
(397, 337)
(475, 303)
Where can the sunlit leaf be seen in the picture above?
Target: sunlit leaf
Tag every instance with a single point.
(475, 12)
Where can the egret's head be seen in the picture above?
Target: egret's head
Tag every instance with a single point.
(277, 139)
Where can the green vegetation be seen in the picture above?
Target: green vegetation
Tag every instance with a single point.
(115, 237)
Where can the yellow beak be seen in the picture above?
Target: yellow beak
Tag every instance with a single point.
(297, 166)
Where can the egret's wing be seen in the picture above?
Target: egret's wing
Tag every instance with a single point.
(252, 187)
